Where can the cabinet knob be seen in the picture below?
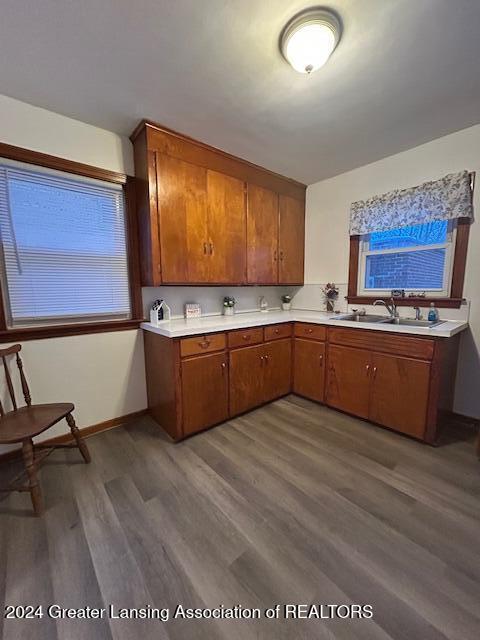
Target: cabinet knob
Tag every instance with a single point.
(277, 330)
(374, 372)
(367, 369)
(211, 248)
(309, 330)
(281, 255)
(321, 360)
(204, 344)
(224, 365)
(204, 248)
(266, 359)
(247, 336)
(274, 256)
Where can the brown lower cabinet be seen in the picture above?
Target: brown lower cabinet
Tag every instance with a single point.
(309, 369)
(399, 393)
(398, 381)
(204, 391)
(348, 381)
(389, 390)
(259, 374)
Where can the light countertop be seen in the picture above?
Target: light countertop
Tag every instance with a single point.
(180, 327)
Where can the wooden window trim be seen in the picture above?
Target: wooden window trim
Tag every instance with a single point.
(77, 168)
(458, 275)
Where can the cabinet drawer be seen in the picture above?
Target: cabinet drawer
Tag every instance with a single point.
(245, 337)
(276, 331)
(306, 330)
(394, 344)
(202, 344)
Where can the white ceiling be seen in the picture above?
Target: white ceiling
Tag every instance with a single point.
(405, 72)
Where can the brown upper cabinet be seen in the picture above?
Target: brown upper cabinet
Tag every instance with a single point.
(262, 235)
(291, 240)
(206, 217)
(275, 237)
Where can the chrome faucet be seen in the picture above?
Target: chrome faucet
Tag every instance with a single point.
(418, 313)
(391, 308)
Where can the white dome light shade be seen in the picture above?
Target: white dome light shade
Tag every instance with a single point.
(308, 41)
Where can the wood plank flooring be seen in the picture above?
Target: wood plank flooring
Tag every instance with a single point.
(291, 503)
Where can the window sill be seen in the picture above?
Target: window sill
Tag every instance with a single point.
(59, 331)
(446, 303)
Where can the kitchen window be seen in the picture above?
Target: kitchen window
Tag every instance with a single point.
(64, 251)
(417, 259)
(413, 241)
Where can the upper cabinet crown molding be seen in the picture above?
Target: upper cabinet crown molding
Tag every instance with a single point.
(193, 211)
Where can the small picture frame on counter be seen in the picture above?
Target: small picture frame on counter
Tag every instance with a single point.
(192, 310)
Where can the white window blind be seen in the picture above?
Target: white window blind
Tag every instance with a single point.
(63, 241)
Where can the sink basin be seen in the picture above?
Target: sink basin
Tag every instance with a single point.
(406, 322)
(354, 317)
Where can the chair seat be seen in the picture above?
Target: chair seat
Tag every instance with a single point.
(28, 422)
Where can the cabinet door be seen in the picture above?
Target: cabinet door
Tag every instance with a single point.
(226, 228)
(348, 380)
(262, 235)
(182, 210)
(204, 391)
(309, 369)
(291, 240)
(277, 364)
(246, 378)
(400, 393)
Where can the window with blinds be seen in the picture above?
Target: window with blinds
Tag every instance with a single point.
(63, 244)
(415, 258)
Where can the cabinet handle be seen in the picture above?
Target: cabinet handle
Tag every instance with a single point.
(368, 369)
(374, 372)
(261, 359)
(247, 336)
(204, 248)
(204, 344)
(321, 360)
(277, 331)
(224, 366)
(266, 359)
(281, 255)
(309, 330)
(274, 256)
(211, 248)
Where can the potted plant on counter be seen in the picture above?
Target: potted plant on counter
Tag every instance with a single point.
(330, 294)
(228, 306)
(286, 302)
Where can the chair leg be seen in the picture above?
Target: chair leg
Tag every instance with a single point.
(78, 438)
(31, 467)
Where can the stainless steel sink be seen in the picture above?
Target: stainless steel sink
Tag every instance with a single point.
(355, 317)
(406, 322)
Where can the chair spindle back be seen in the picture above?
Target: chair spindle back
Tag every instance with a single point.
(4, 353)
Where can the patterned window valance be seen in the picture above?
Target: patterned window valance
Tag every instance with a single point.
(450, 197)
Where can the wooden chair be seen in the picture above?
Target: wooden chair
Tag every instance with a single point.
(21, 424)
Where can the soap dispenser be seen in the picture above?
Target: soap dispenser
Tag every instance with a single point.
(263, 304)
(433, 313)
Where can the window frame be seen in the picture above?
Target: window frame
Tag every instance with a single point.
(459, 246)
(42, 160)
(448, 245)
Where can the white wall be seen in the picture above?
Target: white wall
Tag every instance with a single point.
(102, 374)
(327, 243)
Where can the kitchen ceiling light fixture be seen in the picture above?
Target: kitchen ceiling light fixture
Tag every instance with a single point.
(309, 39)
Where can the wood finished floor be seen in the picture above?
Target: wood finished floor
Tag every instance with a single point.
(292, 503)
